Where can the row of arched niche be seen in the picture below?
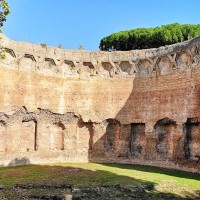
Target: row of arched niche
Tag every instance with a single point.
(162, 65)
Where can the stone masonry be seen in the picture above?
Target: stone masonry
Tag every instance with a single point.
(140, 106)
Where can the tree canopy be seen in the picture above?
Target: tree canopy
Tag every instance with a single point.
(144, 38)
(4, 11)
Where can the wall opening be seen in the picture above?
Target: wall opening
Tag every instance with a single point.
(182, 60)
(164, 64)
(164, 129)
(88, 67)
(85, 143)
(2, 137)
(29, 131)
(126, 67)
(88, 64)
(108, 69)
(112, 135)
(50, 62)
(192, 139)
(70, 63)
(36, 137)
(137, 139)
(10, 52)
(57, 136)
(27, 62)
(145, 68)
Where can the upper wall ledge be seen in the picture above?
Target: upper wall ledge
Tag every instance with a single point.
(54, 61)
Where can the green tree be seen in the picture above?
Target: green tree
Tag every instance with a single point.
(143, 38)
(4, 11)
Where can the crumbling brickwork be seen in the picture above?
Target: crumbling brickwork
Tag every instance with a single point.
(138, 106)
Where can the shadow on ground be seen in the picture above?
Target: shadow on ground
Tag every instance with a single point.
(60, 182)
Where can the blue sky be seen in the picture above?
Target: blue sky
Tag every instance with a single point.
(71, 22)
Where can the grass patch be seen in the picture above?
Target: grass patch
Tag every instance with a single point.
(91, 174)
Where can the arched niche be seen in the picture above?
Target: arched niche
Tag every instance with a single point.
(164, 64)
(192, 139)
(50, 62)
(69, 67)
(2, 137)
(89, 68)
(57, 135)
(126, 67)
(145, 68)
(108, 69)
(27, 62)
(183, 60)
(85, 133)
(9, 53)
(9, 57)
(112, 134)
(164, 130)
(137, 144)
(29, 132)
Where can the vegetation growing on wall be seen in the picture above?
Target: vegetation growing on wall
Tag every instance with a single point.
(4, 11)
(144, 38)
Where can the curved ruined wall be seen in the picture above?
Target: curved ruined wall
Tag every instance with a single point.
(132, 107)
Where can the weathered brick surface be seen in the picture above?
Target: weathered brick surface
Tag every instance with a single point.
(132, 107)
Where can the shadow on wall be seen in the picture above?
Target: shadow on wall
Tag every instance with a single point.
(94, 184)
(146, 128)
(18, 161)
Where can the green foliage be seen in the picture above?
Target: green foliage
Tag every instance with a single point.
(91, 174)
(144, 38)
(2, 53)
(4, 11)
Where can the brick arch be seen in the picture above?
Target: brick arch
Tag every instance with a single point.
(126, 67)
(164, 129)
(108, 69)
(164, 65)
(57, 136)
(191, 139)
(112, 134)
(145, 68)
(183, 60)
(2, 136)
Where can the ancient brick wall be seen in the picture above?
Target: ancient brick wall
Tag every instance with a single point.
(132, 107)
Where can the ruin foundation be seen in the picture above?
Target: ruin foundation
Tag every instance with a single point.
(140, 106)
